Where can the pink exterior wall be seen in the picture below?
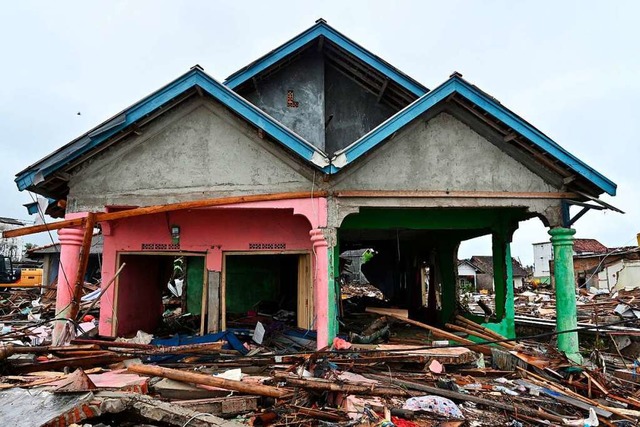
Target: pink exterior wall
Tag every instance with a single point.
(214, 231)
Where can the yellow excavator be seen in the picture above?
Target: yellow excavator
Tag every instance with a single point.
(18, 277)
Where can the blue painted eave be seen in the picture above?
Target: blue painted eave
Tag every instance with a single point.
(325, 30)
(458, 86)
(193, 78)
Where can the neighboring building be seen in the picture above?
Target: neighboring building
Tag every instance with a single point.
(11, 247)
(49, 256)
(367, 157)
(485, 277)
(620, 270)
(587, 254)
(468, 274)
(588, 247)
(542, 256)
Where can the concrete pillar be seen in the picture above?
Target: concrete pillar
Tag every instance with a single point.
(320, 286)
(334, 292)
(509, 301)
(566, 313)
(70, 244)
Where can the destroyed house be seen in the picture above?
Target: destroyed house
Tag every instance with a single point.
(318, 147)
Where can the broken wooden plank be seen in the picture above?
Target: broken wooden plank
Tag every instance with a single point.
(324, 385)
(222, 406)
(190, 377)
(438, 332)
(480, 335)
(74, 362)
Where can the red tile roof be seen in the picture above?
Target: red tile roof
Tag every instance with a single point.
(582, 246)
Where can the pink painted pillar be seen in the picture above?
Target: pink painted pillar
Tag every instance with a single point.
(70, 244)
(321, 286)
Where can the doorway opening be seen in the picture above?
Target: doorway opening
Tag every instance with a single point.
(159, 294)
(267, 287)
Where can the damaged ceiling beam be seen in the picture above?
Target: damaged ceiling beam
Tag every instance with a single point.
(148, 210)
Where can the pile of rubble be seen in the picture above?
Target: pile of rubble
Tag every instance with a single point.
(592, 307)
(26, 314)
(464, 375)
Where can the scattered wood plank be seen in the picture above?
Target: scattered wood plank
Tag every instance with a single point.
(324, 385)
(190, 377)
(437, 332)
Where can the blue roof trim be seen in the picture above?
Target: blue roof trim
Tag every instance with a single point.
(473, 94)
(195, 77)
(32, 207)
(322, 29)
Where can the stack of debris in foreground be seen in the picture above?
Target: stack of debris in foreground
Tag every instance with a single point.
(451, 378)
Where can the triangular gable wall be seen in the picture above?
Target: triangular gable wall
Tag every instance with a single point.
(198, 151)
(440, 154)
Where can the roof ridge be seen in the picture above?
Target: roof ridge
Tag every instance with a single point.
(322, 29)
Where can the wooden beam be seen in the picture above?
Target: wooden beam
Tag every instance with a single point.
(190, 377)
(453, 194)
(23, 231)
(85, 249)
(148, 210)
(484, 349)
(196, 204)
(382, 90)
(213, 302)
(322, 385)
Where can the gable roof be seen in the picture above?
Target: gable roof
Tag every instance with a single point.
(54, 248)
(195, 78)
(455, 85)
(470, 264)
(485, 263)
(322, 29)
(588, 246)
(10, 221)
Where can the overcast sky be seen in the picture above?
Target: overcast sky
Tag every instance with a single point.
(570, 68)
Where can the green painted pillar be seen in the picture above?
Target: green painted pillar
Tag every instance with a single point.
(500, 279)
(503, 281)
(509, 303)
(447, 257)
(334, 292)
(566, 316)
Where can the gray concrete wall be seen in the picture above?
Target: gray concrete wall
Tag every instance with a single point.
(197, 151)
(355, 111)
(305, 77)
(440, 154)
